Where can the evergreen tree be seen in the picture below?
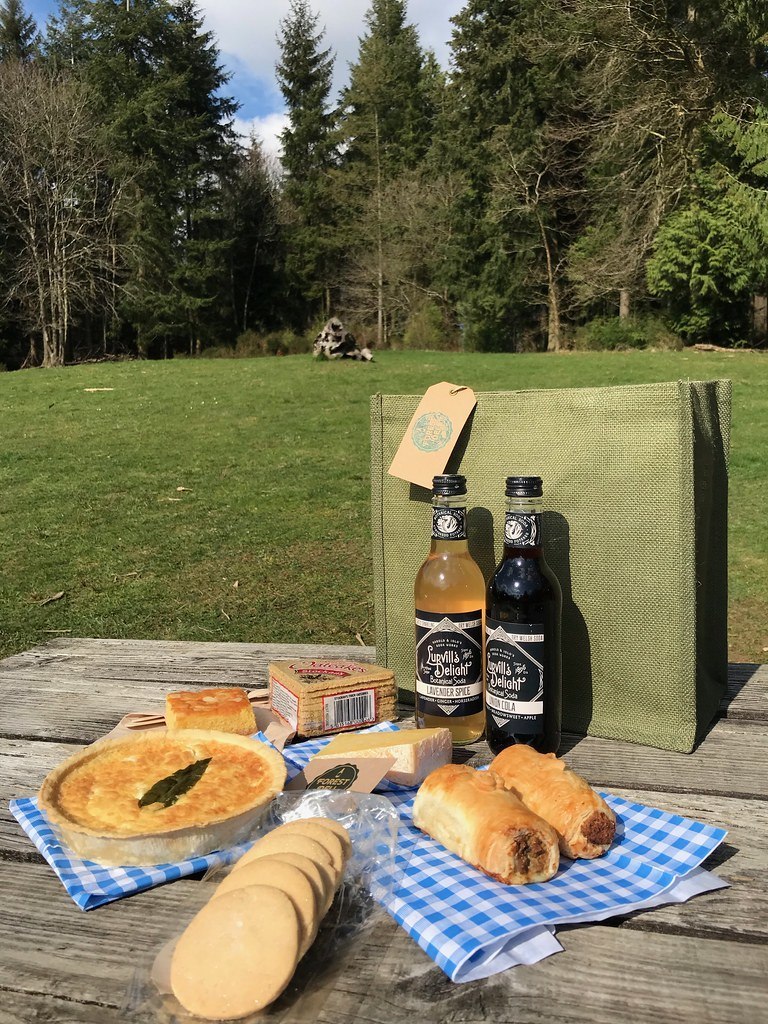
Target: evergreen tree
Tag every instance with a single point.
(386, 118)
(67, 44)
(206, 156)
(257, 286)
(385, 131)
(158, 86)
(710, 256)
(498, 103)
(304, 74)
(18, 32)
(653, 76)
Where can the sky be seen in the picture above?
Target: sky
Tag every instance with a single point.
(246, 31)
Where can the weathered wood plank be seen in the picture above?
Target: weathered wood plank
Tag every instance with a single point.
(60, 949)
(740, 912)
(732, 760)
(23, 766)
(747, 695)
(605, 975)
(704, 960)
(25, 1007)
(60, 955)
(82, 705)
(173, 655)
(145, 669)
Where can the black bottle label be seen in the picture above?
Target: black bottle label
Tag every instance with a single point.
(449, 663)
(522, 529)
(449, 523)
(514, 675)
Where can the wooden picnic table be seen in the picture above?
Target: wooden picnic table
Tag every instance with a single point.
(703, 961)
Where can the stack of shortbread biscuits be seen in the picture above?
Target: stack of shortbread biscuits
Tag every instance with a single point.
(240, 951)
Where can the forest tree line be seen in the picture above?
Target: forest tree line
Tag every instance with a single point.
(583, 171)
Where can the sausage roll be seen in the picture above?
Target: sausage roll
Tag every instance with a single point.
(584, 822)
(474, 816)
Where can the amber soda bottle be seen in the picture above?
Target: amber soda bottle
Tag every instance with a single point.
(523, 674)
(449, 595)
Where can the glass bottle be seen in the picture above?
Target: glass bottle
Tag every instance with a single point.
(450, 608)
(523, 682)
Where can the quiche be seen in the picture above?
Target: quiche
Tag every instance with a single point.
(162, 796)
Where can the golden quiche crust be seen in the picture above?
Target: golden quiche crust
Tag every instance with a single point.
(93, 797)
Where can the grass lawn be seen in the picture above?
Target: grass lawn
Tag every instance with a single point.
(228, 499)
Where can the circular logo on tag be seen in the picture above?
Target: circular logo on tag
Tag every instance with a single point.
(449, 524)
(521, 530)
(432, 431)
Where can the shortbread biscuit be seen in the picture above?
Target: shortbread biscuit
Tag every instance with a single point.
(322, 835)
(237, 954)
(319, 880)
(338, 829)
(285, 842)
(287, 878)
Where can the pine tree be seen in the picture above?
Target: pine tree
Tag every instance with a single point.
(18, 32)
(385, 131)
(257, 287)
(67, 44)
(709, 260)
(206, 154)
(158, 85)
(304, 74)
(653, 76)
(386, 117)
(494, 116)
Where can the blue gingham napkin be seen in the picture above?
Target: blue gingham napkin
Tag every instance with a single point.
(91, 885)
(473, 926)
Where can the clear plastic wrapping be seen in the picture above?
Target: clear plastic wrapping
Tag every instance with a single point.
(370, 875)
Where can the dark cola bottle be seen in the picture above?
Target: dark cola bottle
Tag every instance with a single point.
(523, 674)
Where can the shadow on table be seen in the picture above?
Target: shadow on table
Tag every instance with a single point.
(739, 675)
(576, 647)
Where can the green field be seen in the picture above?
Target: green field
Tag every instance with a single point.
(228, 499)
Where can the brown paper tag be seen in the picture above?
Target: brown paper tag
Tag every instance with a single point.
(360, 774)
(432, 433)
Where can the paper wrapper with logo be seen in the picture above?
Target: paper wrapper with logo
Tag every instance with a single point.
(318, 696)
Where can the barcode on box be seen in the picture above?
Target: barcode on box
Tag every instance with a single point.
(348, 710)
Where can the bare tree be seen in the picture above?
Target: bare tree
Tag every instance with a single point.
(61, 205)
(523, 189)
(394, 265)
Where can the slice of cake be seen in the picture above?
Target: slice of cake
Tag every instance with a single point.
(225, 709)
(417, 752)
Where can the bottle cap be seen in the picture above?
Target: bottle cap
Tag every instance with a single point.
(449, 484)
(524, 487)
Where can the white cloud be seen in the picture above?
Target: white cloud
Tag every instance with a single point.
(247, 33)
(267, 129)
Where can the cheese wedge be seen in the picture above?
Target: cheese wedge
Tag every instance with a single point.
(417, 752)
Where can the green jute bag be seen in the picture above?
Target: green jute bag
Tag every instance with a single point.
(635, 523)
